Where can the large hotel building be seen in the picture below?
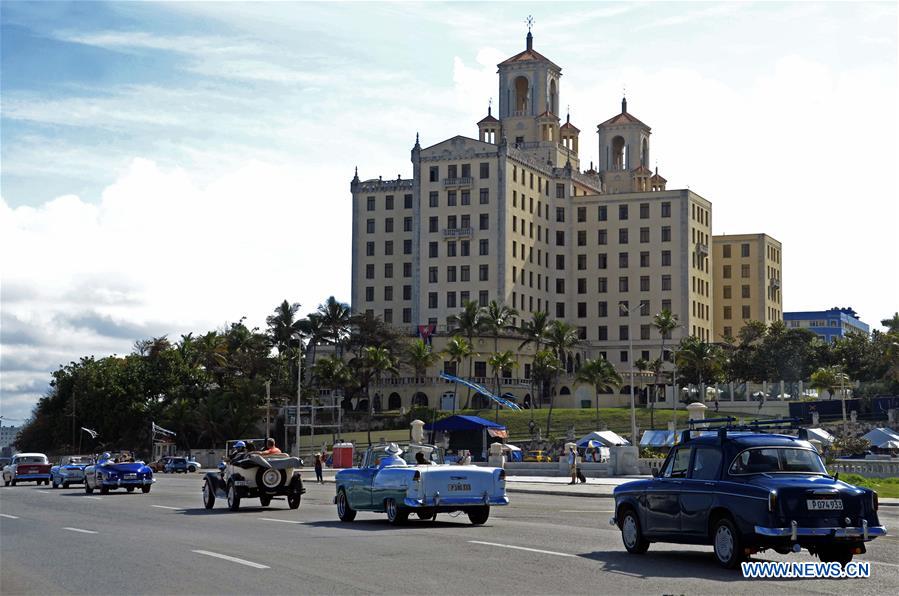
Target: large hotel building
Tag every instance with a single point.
(513, 216)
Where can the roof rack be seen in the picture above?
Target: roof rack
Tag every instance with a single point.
(754, 426)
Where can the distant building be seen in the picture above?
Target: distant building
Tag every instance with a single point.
(8, 435)
(828, 324)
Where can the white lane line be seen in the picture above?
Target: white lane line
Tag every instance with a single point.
(585, 510)
(167, 507)
(94, 498)
(533, 550)
(8, 516)
(80, 530)
(232, 559)
(875, 563)
(283, 521)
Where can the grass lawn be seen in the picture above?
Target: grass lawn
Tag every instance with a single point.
(885, 487)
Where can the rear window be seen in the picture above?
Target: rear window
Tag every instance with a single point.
(767, 460)
(31, 459)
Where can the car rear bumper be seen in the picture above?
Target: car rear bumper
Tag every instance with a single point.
(795, 532)
(132, 482)
(32, 476)
(439, 501)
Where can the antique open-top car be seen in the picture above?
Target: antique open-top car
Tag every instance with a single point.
(117, 470)
(415, 480)
(247, 475)
(69, 471)
(27, 467)
(744, 490)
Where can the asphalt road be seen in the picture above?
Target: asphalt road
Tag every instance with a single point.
(165, 542)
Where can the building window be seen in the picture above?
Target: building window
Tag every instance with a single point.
(728, 332)
(450, 249)
(622, 355)
(369, 249)
(407, 269)
(434, 199)
(622, 212)
(582, 238)
(622, 284)
(407, 201)
(485, 170)
(451, 300)
(483, 298)
(727, 292)
(622, 260)
(622, 236)
(560, 262)
(369, 293)
(644, 283)
(602, 237)
(483, 273)
(603, 213)
(582, 214)
(560, 310)
(602, 285)
(581, 310)
(744, 250)
(666, 258)
(407, 247)
(560, 285)
(450, 198)
(727, 313)
(370, 203)
(644, 333)
(388, 247)
(466, 197)
(432, 299)
(465, 273)
(666, 305)
(666, 209)
(407, 315)
(666, 233)
(370, 271)
(466, 170)
(602, 308)
(582, 262)
(582, 285)
(388, 293)
(744, 271)
(644, 259)
(485, 196)
(746, 313)
(725, 272)
(725, 250)
(433, 224)
(560, 191)
(484, 247)
(388, 225)
(433, 251)
(370, 226)
(623, 332)
(560, 213)
(465, 246)
(666, 283)
(388, 270)
(560, 238)
(407, 292)
(484, 221)
(388, 202)
(644, 235)
(407, 224)
(644, 210)
(602, 260)
(466, 221)
(745, 291)
(435, 173)
(602, 333)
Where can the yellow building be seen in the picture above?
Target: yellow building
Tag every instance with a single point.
(747, 281)
(510, 216)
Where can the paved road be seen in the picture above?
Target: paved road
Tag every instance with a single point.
(164, 542)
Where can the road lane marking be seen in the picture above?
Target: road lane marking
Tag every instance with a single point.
(167, 507)
(881, 563)
(8, 516)
(94, 498)
(80, 530)
(586, 510)
(232, 559)
(533, 550)
(283, 521)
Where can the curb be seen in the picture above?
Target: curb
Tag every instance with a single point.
(557, 493)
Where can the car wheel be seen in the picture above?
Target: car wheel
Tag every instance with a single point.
(426, 515)
(208, 495)
(54, 484)
(835, 554)
(87, 487)
(13, 481)
(632, 534)
(270, 478)
(479, 515)
(344, 512)
(145, 489)
(191, 469)
(396, 515)
(265, 500)
(130, 489)
(233, 497)
(65, 485)
(5, 482)
(728, 544)
(104, 490)
(293, 501)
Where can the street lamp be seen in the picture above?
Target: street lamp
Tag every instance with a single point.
(630, 358)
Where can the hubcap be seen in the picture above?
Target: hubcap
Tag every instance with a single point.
(231, 494)
(205, 491)
(724, 543)
(629, 531)
(271, 478)
(341, 505)
(391, 509)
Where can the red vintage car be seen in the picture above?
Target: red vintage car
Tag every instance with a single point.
(27, 467)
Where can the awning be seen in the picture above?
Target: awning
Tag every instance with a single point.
(498, 433)
(460, 422)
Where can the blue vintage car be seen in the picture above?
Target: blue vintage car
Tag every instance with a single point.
(400, 482)
(177, 465)
(743, 491)
(69, 471)
(117, 470)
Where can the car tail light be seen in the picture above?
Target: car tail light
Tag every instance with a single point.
(502, 475)
(416, 477)
(772, 501)
(876, 501)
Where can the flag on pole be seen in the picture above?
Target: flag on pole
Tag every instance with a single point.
(162, 431)
(94, 434)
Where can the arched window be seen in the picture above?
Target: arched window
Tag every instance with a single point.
(565, 391)
(553, 99)
(625, 390)
(522, 92)
(362, 405)
(644, 153)
(394, 402)
(420, 399)
(618, 158)
(377, 402)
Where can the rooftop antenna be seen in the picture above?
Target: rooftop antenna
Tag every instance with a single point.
(489, 106)
(530, 22)
(530, 38)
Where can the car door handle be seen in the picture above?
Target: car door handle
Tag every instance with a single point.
(708, 483)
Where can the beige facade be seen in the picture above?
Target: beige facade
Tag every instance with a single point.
(747, 281)
(510, 217)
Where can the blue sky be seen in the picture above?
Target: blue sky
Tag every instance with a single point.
(151, 153)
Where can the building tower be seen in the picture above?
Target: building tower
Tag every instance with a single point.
(624, 153)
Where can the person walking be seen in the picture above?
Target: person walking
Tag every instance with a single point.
(317, 464)
(572, 463)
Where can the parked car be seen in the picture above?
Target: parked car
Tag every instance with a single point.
(69, 471)
(159, 464)
(744, 491)
(27, 467)
(392, 481)
(248, 475)
(176, 465)
(539, 456)
(117, 470)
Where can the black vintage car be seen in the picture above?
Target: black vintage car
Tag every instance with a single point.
(255, 475)
(743, 490)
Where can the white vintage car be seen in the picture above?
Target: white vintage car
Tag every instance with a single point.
(254, 475)
(27, 467)
(415, 480)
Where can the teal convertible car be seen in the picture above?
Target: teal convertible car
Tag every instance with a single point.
(399, 482)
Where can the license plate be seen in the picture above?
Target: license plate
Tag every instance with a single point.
(459, 487)
(824, 504)
(130, 476)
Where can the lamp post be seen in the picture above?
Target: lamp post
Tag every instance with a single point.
(268, 408)
(299, 389)
(630, 358)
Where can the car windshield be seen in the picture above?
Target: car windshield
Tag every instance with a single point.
(31, 459)
(431, 454)
(772, 460)
(79, 460)
(178, 460)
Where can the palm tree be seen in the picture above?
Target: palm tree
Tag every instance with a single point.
(665, 322)
(892, 324)
(534, 332)
(829, 378)
(335, 318)
(546, 367)
(496, 319)
(283, 325)
(698, 360)
(375, 363)
(333, 373)
(642, 365)
(501, 362)
(458, 349)
(560, 338)
(469, 322)
(602, 375)
(419, 357)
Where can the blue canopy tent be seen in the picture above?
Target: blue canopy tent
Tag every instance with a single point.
(471, 433)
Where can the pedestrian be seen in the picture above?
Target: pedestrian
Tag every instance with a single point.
(572, 463)
(716, 404)
(317, 464)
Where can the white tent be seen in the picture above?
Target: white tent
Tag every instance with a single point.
(819, 434)
(657, 438)
(606, 437)
(880, 436)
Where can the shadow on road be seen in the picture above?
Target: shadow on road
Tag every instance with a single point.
(382, 525)
(671, 564)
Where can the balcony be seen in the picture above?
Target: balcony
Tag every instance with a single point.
(458, 232)
(774, 283)
(467, 181)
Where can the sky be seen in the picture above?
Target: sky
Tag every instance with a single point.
(172, 167)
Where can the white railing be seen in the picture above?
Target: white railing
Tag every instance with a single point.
(648, 464)
(466, 181)
(457, 232)
(486, 381)
(871, 468)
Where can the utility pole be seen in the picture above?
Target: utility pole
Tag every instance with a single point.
(268, 408)
(299, 390)
(74, 423)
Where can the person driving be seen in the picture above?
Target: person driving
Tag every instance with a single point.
(420, 459)
(238, 450)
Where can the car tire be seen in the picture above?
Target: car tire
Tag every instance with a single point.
(208, 494)
(632, 534)
(835, 554)
(233, 497)
(396, 515)
(104, 490)
(265, 500)
(130, 489)
(261, 473)
(727, 543)
(5, 482)
(479, 515)
(293, 501)
(13, 482)
(145, 489)
(87, 487)
(192, 469)
(426, 515)
(65, 485)
(344, 512)
(54, 485)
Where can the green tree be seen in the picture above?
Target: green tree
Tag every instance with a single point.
(375, 363)
(469, 323)
(698, 362)
(892, 324)
(664, 322)
(829, 379)
(335, 319)
(501, 363)
(457, 350)
(601, 375)
(420, 357)
(546, 366)
(534, 331)
(560, 338)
